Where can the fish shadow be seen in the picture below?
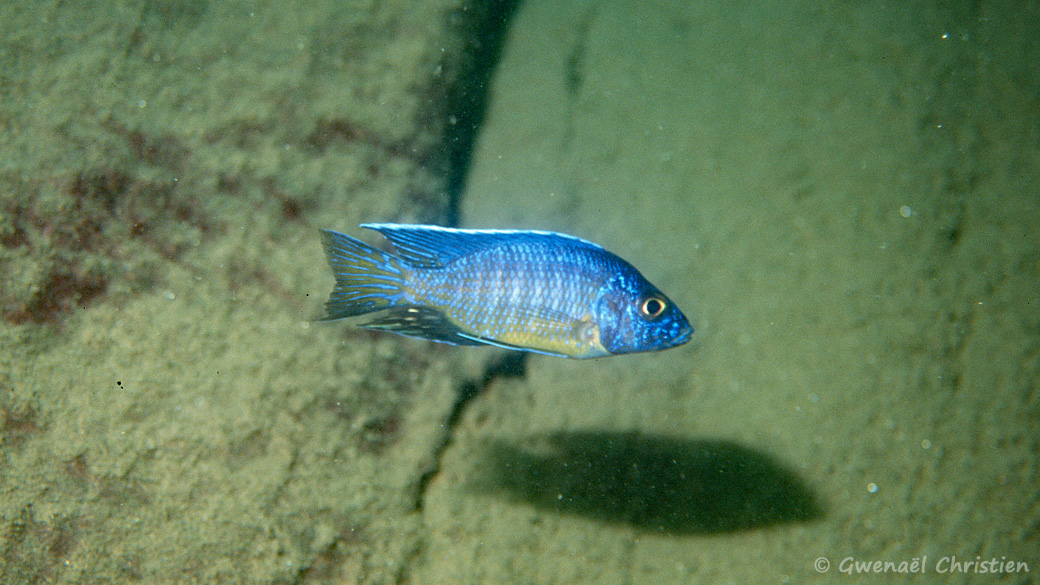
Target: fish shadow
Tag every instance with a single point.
(655, 483)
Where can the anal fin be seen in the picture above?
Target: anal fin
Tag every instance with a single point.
(421, 322)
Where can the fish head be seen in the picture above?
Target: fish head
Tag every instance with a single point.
(633, 316)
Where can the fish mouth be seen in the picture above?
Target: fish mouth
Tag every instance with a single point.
(683, 336)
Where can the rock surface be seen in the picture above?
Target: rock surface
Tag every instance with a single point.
(843, 199)
(169, 410)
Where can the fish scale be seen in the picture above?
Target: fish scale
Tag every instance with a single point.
(520, 289)
(502, 274)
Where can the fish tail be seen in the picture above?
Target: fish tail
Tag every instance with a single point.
(367, 279)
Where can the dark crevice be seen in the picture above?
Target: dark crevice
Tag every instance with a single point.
(484, 25)
(510, 365)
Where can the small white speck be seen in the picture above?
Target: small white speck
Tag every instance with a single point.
(905, 211)
(169, 295)
(926, 444)
(142, 104)
(872, 488)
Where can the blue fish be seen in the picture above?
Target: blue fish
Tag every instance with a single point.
(527, 290)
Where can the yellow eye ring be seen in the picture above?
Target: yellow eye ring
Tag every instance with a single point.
(652, 307)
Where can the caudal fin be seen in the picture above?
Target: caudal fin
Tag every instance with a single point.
(367, 279)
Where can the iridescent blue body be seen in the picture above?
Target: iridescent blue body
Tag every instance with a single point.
(528, 290)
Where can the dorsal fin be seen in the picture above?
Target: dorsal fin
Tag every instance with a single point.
(429, 246)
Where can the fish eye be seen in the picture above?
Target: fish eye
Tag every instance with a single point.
(652, 307)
